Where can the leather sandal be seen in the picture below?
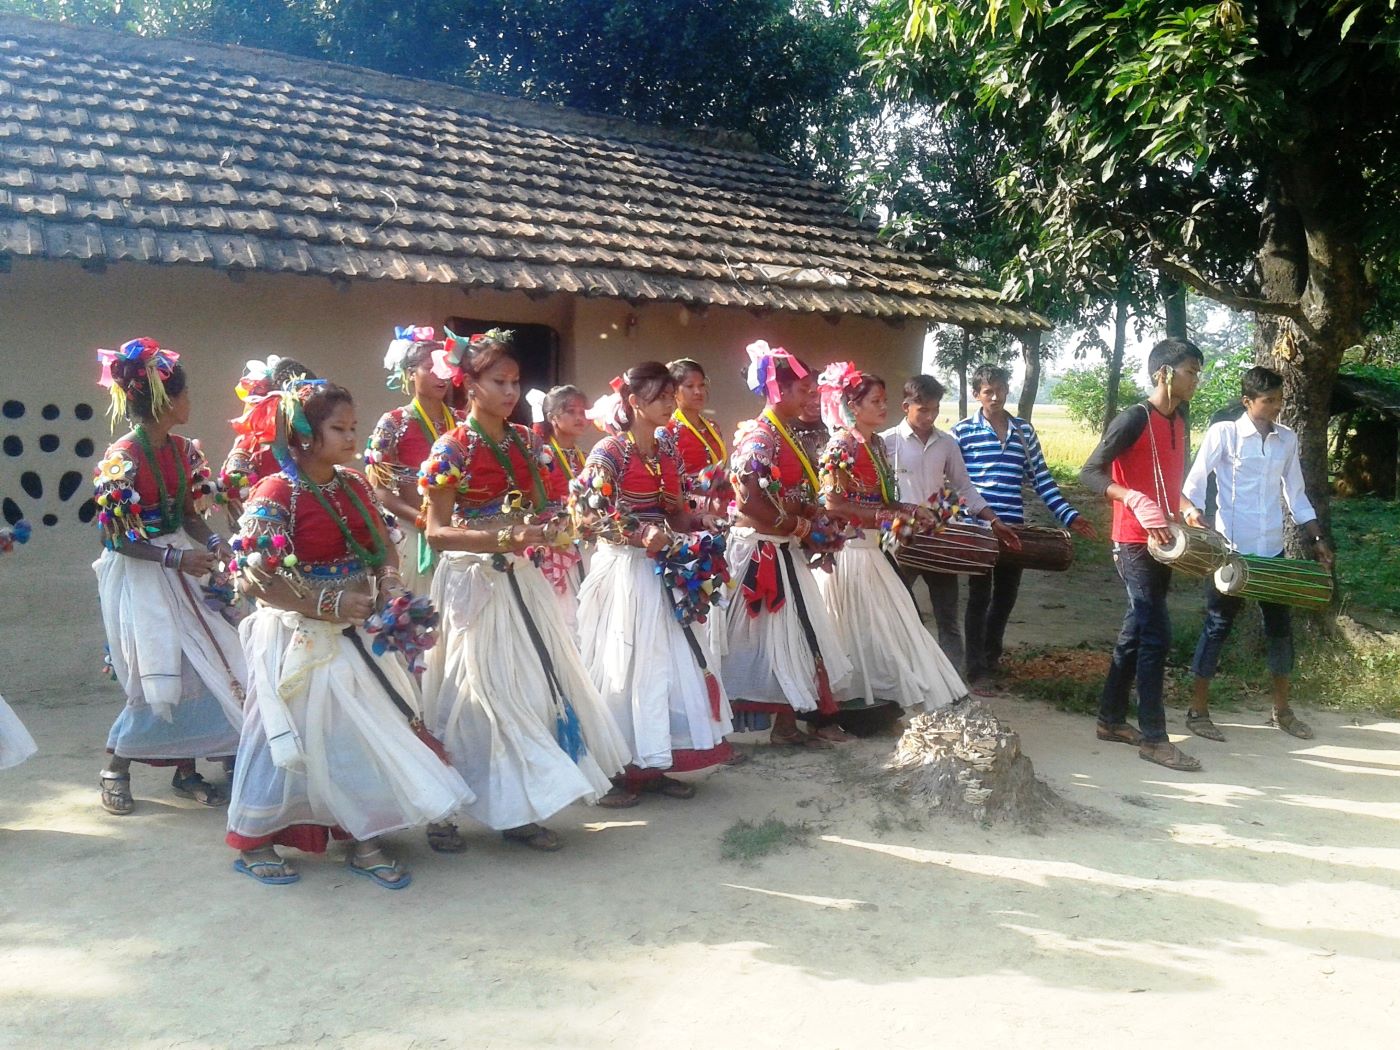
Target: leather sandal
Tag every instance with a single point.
(1291, 724)
(668, 786)
(445, 838)
(1202, 726)
(196, 787)
(116, 793)
(1122, 733)
(1167, 754)
(535, 836)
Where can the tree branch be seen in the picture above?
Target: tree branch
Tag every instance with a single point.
(1188, 275)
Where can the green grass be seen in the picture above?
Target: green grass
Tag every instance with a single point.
(1366, 530)
(746, 842)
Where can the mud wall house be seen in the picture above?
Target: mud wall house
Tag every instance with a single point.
(233, 203)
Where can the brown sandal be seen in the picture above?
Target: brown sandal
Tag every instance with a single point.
(1122, 733)
(619, 798)
(535, 836)
(116, 793)
(1202, 726)
(797, 738)
(1169, 755)
(668, 786)
(1291, 724)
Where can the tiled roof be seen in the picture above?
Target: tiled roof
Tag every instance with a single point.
(119, 148)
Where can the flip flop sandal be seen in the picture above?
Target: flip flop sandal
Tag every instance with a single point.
(618, 798)
(252, 867)
(799, 739)
(1202, 726)
(1122, 733)
(1291, 724)
(116, 793)
(445, 838)
(1170, 756)
(736, 757)
(668, 786)
(371, 872)
(196, 787)
(843, 737)
(535, 837)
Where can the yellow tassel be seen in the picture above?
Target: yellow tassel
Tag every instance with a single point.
(117, 410)
(159, 401)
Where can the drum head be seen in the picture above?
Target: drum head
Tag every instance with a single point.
(1169, 551)
(1231, 577)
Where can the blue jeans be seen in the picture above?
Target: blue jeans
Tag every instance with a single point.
(1221, 610)
(943, 594)
(1141, 652)
(990, 599)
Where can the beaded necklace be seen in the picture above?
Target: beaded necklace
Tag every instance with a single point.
(714, 452)
(374, 558)
(504, 460)
(651, 462)
(772, 417)
(561, 457)
(882, 467)
(172, 512)
(431, 432)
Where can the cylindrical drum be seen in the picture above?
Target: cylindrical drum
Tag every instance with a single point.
(1193, 551)
(1049, 550)
(956, 548)
(1301, 584)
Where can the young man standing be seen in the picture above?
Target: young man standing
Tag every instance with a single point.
(1255, 463)
(1139, 465)
(1001, 452)
(925, 459)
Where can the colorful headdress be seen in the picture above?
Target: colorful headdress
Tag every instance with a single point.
(286, 417)
(257, 378)
(535, 399)
(447, 364)
(159, 365)
(609, 412)
(837, 381)
(763, 370)
(397, 354)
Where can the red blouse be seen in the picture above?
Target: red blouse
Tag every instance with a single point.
(401, 441)
(464, 460)
(280, 505)
(126, 486)
(759, 449)
(638, 487)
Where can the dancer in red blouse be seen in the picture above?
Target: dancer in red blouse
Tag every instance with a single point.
(783, 657)
(251, 459)
(179, 663)
(404, 436)
(646, 643)
(504, 688)
(704, 459)
(327, 748)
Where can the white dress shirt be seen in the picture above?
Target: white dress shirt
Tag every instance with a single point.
(921, 468)
(1256, 476)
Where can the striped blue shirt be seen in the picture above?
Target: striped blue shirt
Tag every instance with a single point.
(999, 470)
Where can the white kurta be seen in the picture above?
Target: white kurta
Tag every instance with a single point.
(487, 698)
(767, 658)
(877, 623)
(638, 657)
(15, 742)
(182, 701)
(344, 755)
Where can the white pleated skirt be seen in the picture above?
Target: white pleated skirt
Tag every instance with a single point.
(362, 769)
(15, 742)
(877, 623)
(179, 663)
(638, 657)
(767, 658)
(486, 696)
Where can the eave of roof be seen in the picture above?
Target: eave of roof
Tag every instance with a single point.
(117, 148)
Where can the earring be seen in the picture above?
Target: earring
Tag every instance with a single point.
(305, 446)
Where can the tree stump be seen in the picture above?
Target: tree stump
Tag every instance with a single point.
(964, 761)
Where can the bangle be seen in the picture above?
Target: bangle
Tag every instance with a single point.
(165, 557)
(505, 538)
(213, 543)
(335, 609)
(325, 603)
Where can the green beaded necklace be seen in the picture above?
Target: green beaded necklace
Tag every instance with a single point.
(373, 559)
(172, 512)
(504, 460)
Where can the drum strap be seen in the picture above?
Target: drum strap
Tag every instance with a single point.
(415, 721)
(826, 702)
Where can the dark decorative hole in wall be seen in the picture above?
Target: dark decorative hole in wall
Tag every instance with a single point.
(50, 412)
(83, 411)
(68, 484)
(87, 511)
(12, 409)
(13, 446)
(83, 447)
(33, 487)
(49, 442)
(50, 519)
(10, 509)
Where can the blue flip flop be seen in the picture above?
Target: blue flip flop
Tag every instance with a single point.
(372, 873)
(244, 868)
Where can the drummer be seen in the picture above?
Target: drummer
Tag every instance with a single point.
(1002, 452)
(1257, 472)
(925, 461)
(1139, 464)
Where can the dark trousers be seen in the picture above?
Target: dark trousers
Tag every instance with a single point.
(943, 594)
(990, 599)
(1141, 652)
(1221, 610)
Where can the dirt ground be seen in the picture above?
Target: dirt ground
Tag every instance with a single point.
(1255, 903)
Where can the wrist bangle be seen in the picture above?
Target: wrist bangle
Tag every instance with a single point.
(179, 557)
(213, 543)
(335, 609)
(324, 603)
(504, 538)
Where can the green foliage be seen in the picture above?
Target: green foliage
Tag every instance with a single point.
(747, 842)
(1083, 392)
(1383, 375)
(1220, 388)
(787, 74)
(1365, 533)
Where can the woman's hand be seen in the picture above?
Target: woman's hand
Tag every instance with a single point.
(524, 536)
(196, 562)
(654, 538)
(355, 606)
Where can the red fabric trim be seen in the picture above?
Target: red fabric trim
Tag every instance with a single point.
(309, 838)
(683, 760)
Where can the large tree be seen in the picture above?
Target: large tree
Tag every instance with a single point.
(1245, 150)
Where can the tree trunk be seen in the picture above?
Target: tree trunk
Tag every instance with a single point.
(1115, 360)
(1310, 253)
(962, 372)
(1174, 305)
(1030, 354)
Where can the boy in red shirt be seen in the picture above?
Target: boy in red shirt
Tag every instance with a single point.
(1140, 464)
